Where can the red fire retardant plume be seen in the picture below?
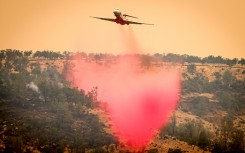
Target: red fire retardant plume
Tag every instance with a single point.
(140, 101)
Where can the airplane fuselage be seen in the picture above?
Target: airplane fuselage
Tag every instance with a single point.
(120, 19)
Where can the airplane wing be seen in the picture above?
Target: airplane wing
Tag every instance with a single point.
(132, 22)
(107, 19)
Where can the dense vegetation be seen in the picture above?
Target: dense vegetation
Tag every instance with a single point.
(40, 109)
(229, 93)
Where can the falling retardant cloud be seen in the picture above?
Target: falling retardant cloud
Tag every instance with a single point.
(139, 100)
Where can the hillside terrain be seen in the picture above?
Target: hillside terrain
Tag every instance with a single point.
(42, 112)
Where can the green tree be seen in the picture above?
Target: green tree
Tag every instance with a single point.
(226, 130)
(36, 68)
(203, 140)
(191, 68)
(228, 79)
(170, 127)
(227, 100)
(217, 75)
(242, 61)
(193, 132)
(199, 105)
(237, 141)
(27, 53)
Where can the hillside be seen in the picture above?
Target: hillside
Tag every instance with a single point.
(42, 112)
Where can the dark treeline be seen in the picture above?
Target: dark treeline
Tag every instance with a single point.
(170, 57)
(195, 59)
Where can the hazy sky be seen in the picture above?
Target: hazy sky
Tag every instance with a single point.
(202, 28)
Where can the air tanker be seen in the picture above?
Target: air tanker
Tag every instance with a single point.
(121, 18)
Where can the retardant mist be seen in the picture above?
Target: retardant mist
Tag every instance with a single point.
(140, 101)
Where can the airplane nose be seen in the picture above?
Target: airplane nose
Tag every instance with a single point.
(116, 10)
(117, 13)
